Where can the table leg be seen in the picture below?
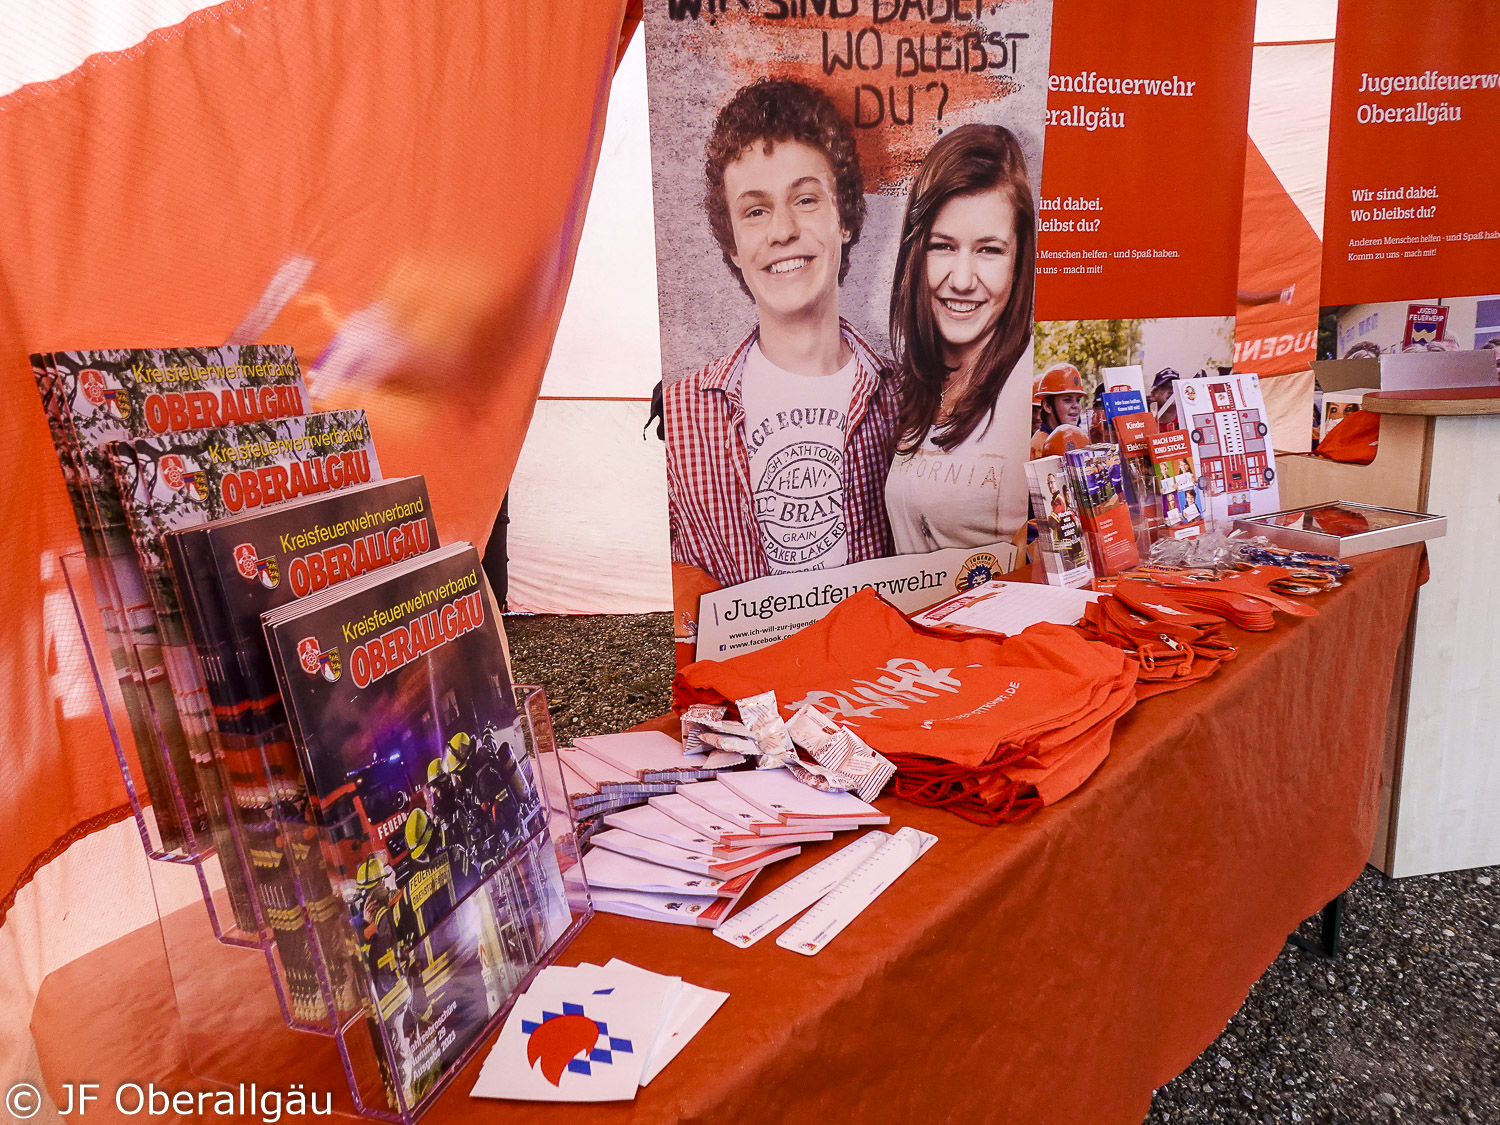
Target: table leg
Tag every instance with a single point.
(1327, 942)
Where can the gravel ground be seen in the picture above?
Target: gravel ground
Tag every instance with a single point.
(1404, 1026)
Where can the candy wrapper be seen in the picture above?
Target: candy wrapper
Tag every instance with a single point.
(819, 777)
(694, 721)
(705, 729)
(762, 715)
(734, 744)
(839, 749)
(810, 728)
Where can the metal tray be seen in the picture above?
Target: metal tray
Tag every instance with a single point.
(1342, 528)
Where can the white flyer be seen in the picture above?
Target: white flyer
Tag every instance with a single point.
(576, 1037)
(1009, 607)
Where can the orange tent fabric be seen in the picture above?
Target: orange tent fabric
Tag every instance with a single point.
(395, 187)
(1278, 249)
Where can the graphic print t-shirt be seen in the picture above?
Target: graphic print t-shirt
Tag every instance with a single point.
(794, 434)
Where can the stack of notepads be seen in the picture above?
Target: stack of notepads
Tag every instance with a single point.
(687, 856)
(610, 772)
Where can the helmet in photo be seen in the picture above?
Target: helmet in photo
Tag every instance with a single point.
(1165, 375)
(371, 874)
(1036, 391)
(418, 832)
(1060, 379)
(435, 770)
(457, 754)
(1062, 439)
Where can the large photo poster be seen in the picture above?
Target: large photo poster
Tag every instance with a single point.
(846, 199)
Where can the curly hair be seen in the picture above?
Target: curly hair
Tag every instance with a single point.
(769, 111)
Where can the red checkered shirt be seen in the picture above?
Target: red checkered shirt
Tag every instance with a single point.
(708, 465)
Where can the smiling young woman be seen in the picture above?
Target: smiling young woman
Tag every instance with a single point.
(961, 309)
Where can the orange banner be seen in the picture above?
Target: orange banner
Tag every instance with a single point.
(1140, 208)
(1412, 206)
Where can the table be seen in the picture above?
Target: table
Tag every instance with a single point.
(1456, 401)
(1052, 972)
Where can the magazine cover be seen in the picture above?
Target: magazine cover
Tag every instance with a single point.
(397, 691)
(182, 479)
(433, 993)
(228, 573)
(1065, 556)
(233, 570)
(92, 398)
(179, 480)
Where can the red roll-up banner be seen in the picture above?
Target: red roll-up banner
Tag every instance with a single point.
(1411, 238)
(1140, 211)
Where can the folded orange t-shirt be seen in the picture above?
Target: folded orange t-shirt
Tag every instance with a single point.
(968, 705)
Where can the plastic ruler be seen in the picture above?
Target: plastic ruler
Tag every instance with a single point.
(862, 886)
(796, 895)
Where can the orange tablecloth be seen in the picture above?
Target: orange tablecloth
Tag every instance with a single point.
(1054, 971)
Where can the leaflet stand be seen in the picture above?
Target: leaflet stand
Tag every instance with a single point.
(195, 860)
(233, 1013)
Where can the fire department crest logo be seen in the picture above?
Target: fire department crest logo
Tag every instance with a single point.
(244, 561)
(976, 571)
(252, 569)
(173, 471)
(319, 662)
(119, 401)
(91, 382)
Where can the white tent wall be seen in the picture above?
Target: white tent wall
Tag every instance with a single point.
(588, 500)
(1294, 21)
(588, 506)
(1291, 92)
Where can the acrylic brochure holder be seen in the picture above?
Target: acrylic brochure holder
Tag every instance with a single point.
(411, 1002)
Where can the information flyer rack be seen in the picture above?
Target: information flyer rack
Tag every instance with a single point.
(402, 1002)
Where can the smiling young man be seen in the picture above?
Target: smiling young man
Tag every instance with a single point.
(777, 453)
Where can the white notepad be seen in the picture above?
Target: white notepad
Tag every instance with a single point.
(617, 871)
(778, 793)
(700, 863)
(638, 752)
(722, 801)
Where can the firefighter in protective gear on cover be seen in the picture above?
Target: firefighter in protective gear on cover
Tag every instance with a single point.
(499, 782)
(468, 817)
(1063, 395)
(444, 804)
(391, 937)
(419, 839)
